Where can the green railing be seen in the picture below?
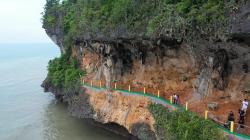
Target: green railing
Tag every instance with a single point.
(242, 136)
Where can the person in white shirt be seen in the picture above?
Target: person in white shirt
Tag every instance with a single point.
(244, 105)
(174, 98)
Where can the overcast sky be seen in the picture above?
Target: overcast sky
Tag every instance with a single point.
(20, 21)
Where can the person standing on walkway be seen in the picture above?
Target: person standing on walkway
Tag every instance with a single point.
(244, 105)
(230, 119)
(241, 119)
(175, 99)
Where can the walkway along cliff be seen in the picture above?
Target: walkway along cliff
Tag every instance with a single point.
(154, 47)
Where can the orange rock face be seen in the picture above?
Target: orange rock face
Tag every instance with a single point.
(171, 71)
(125, 110)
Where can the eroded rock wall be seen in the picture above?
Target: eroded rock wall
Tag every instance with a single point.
(130, 112)
(168, 65)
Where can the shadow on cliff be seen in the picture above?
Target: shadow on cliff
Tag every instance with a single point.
(143, 131)
(117, 129)
(79, 105)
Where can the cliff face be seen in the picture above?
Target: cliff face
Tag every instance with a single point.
(215, 62)
(169, 65)
(201, 69)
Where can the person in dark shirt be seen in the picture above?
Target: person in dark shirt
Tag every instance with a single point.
(241, 119)
(230, 119)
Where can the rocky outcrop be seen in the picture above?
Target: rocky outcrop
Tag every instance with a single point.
(49, 87)
(130, 112)
(56, 33)
(122, 114)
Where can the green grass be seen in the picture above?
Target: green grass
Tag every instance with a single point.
(180, 124)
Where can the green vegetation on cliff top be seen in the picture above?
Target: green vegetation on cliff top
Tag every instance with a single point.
(149, 18)
(183, 125)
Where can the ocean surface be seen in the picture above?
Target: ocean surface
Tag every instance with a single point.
(26, 112)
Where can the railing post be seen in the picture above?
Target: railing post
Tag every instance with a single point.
(115, 85)
(91, 83)
(158, 93)
(83, 82)
(144, 90)
(129, 88)
(206, 113)
(100, 84)
(186, 105)
(231, 126)
(171, 99)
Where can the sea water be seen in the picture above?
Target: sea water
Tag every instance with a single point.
(26, 112)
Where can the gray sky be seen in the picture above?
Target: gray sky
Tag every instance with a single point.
(20, 21)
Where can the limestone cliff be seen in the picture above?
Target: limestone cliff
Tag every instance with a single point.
(209, 68)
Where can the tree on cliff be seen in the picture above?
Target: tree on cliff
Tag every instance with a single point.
(64, 72)
(51, 3)
(50, 13)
